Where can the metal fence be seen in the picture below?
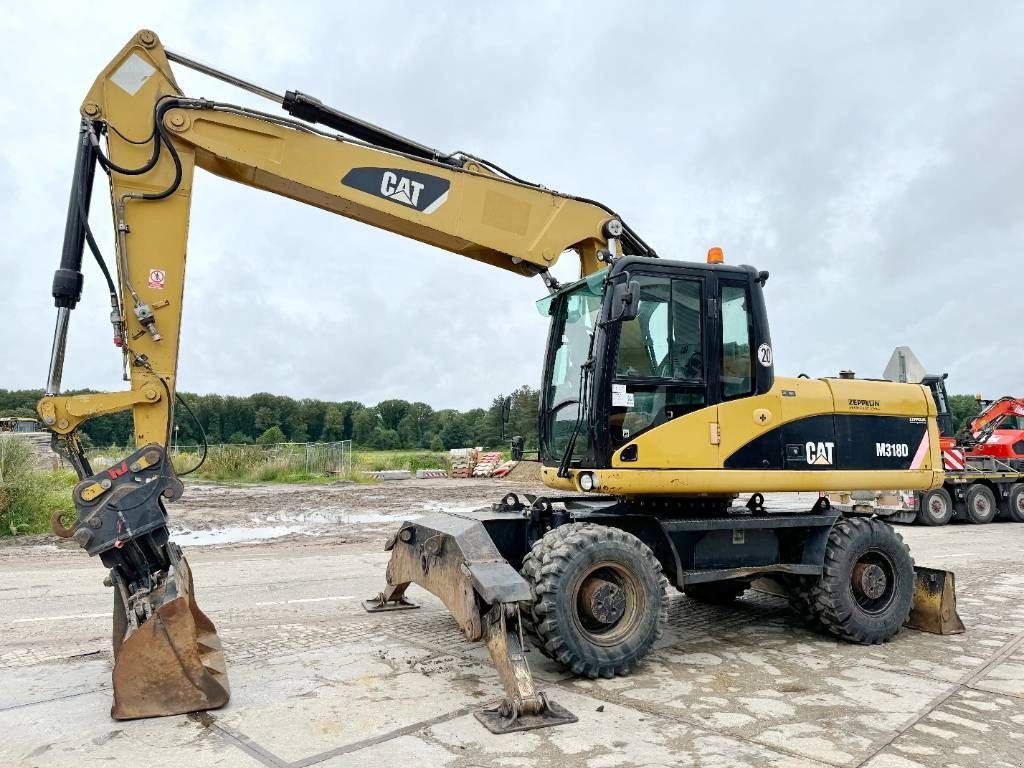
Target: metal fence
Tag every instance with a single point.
(329, 458)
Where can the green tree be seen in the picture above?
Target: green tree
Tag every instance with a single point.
(364, 422)
(240, 438)
(392, 412)
(266, 418)
(454, 434)
(963, 408)
(418, 420)
(271, 436)
(334, 423)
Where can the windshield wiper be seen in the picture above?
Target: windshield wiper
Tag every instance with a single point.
(570, 446)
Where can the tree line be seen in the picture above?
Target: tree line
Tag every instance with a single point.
(266, 418)
(390, 424)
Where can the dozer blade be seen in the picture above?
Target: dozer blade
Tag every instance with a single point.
(173, 662)
(935, 603)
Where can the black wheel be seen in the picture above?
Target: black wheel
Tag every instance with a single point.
(716, 592)
(867, 588)
(981, 504)
(936, 507)
(1014, 506)
(800, 592)
(599, 598)
(531, 572)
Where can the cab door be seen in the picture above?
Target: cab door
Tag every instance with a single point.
(659, 371)
(748, 420)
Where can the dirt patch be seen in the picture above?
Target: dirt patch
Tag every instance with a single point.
(525, 473)
(211, 514)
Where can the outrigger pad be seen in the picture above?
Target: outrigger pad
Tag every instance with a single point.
(500, 718)
(381, 604)
(935, 603)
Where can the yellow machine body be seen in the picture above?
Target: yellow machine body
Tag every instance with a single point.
(691, 453)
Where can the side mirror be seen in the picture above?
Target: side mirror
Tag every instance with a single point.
(625, 301)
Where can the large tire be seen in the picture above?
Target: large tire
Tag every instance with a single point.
(981, 504)
(866, 590)
(716, 592)
(801, 599)
(531, 572)
(1015, 503)
(599, 600)
(936, 507)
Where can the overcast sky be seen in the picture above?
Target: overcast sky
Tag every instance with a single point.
(868, 155)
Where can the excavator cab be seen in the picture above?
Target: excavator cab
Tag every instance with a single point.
(642, 343)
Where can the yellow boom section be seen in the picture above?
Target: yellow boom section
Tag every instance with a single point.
(461, 207)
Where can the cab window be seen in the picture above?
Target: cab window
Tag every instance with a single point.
(659, 365)
(737, 368)
(1011, 422)
(664, 340)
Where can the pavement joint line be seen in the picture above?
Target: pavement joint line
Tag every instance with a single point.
(68, 617)
(966, 681)
(65, 697)
(304, 600)
(239, 740)
(653, 710)
(375, 740)
(993, 692)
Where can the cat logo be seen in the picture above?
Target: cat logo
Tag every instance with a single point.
(819, 453)
(402, 189)
(412, 189)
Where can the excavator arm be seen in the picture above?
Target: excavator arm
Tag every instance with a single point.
(156, 137)
(167, 656)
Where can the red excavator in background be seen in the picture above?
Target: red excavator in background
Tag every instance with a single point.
(997, 431)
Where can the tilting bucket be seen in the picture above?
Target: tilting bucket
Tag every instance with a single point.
(173, 662)
(935, 603)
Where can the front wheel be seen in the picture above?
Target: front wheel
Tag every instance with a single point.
(866, 589)
(599, 600)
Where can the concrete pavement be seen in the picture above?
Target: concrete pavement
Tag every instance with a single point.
(316, 681)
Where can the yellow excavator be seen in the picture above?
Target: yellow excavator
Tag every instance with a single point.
(659, 408)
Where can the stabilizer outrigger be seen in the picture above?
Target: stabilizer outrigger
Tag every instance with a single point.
(455, 558)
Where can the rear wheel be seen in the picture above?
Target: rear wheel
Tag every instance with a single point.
(936, 507)
(716, 592)
(1015, 503)
(599, 598)
(866, 590)
(981, 504)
